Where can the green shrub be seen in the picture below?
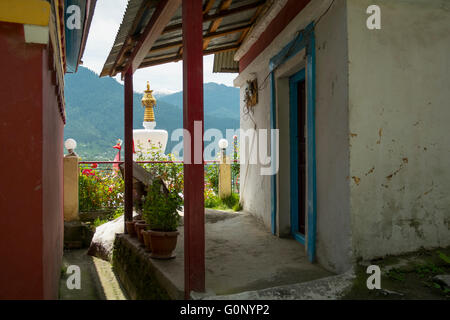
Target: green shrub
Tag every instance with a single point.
(160, 207)
(237, 207)
(212, 177)
(214, 202)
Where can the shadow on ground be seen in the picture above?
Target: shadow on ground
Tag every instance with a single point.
(98, 281)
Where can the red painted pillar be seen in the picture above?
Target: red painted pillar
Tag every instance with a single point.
(128, 136)
(194, 211)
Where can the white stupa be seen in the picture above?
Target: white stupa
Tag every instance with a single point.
(149, 137)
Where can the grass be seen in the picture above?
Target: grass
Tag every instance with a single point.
(230, 203)
(98, 222)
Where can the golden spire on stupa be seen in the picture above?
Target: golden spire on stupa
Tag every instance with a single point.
(148, 102)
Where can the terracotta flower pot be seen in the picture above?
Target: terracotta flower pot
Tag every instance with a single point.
(136, 222)
(147, 240)
(130, 228)
(163, 244)
(140, 226)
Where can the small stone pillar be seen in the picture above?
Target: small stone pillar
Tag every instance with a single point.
(224, 177)
(71, 178)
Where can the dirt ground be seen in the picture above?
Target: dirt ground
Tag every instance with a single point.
(409, 276)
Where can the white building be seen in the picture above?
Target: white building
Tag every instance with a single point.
(375, 106)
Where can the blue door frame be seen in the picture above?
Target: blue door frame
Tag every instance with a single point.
(304, 40)
(294, 161)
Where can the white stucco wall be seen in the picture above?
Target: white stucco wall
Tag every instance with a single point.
(399, 116)
(332, 136)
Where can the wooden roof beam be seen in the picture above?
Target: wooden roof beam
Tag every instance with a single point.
(224, 5)
(128, 41)
(160, 18)
(222, 14)
(177, 57)
(207, 36)
(208, 6)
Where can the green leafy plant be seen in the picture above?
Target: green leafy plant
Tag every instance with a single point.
(427, 269)
(116, 214)
(213, 201)
(235, 166)
(160, 207)
(444, 257)
(237, 207)
(212, 177)
(396, 274)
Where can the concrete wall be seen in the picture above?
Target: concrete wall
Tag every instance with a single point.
(333, 217)
(31, 188)
(399, 122)
(332, 141)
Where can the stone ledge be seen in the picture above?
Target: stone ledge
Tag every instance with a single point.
(329, 288)
(139, 274)
(77, 235)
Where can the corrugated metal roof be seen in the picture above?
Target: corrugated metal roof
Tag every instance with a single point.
(224, 62)
(224, 28)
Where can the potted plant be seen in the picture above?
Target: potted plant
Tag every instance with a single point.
(160, 213)
(131, 228)
(139, 226)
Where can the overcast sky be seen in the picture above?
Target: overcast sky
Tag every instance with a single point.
(167, 77)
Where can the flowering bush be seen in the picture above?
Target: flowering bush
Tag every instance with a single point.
(211, 199)
(170, 172)
(98, 189)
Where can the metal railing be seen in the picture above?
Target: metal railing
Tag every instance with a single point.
(108, 166)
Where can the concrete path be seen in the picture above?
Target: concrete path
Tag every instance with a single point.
(98, 281)
(241, 255)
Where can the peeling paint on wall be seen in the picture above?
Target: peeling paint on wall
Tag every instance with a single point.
(405, 161)
(380, 133)
(370, 171)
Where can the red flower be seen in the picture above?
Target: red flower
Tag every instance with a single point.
(94, 165)
(88, 172)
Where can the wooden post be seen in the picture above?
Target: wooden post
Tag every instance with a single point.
(194, 210)
(128, 135)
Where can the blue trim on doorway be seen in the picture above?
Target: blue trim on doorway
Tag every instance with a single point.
(311, 129)
(293, 143)
(304, 40)
(273, 178)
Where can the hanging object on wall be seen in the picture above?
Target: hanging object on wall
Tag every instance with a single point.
(251, 93)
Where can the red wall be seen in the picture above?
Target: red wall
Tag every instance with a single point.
(52, 181)
(31, 133)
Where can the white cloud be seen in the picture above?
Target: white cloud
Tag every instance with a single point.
(168, 77)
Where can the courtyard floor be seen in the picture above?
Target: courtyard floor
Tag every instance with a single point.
(241, 255)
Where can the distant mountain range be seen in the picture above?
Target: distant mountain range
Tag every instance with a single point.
(94, 110)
